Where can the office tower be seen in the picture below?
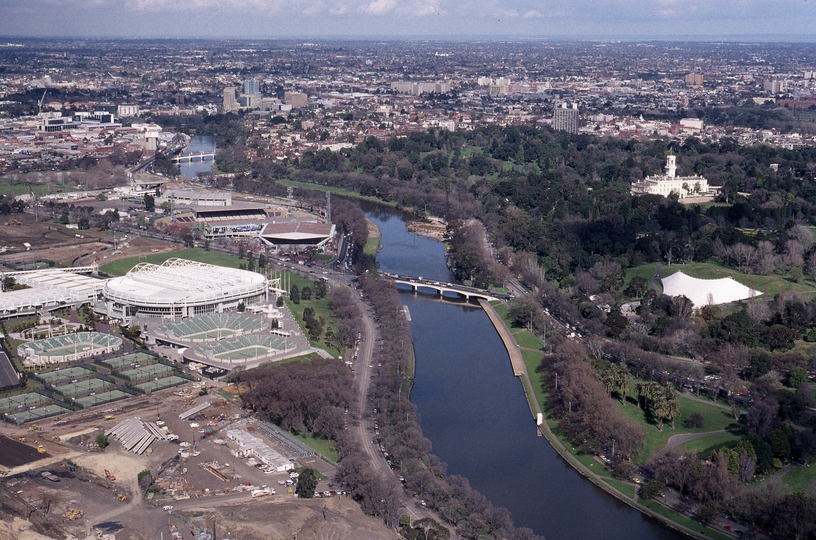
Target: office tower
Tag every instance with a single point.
(229, 104)
(565, 118)
(252, 86)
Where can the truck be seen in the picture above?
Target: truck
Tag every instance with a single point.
(262, 492)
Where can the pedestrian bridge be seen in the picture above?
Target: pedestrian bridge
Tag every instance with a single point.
(442, 288)
(197, 156)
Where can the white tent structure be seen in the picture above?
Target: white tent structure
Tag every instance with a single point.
(706, 291)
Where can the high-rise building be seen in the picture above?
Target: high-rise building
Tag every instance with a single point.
(774, 86)
(252, 86)
(565, 118)
(229, 104)
(694, 79)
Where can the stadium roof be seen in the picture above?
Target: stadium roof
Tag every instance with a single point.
(706, 291)
(298, 232)
(179, 280)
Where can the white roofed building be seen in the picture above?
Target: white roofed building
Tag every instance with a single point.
(666, 184)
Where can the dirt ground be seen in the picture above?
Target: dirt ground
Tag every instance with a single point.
(63, 246)
(32, 507)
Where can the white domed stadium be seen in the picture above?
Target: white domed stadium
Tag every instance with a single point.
(181, 288)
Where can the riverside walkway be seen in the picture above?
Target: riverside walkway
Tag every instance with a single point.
(516, 359)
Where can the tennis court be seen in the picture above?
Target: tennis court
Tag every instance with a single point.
(22, 401)
(167, 382)
(74, 388)
(64, 374)
(128, 359)
(250, 353)
(38, 413)
(101, 398)
(212, 334)
(144, 372)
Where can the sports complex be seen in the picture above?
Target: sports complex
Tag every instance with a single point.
(67, 348)
(180, 288)
(228, 340)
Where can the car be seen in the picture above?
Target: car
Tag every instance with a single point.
(167, 508)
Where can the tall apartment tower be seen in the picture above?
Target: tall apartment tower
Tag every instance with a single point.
(252, 86)
(565, 118)
(694, 79)
(229, 104)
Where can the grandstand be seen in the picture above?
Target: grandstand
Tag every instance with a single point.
(211, 327)
(241, 351)
(67, 348)
(180, 288)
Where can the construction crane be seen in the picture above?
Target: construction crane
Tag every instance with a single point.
(34, 199)
(41, 102)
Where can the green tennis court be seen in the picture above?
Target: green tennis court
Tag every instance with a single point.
(74, 388)
(101, 398)
(22, 401)
(167, 382)
(65, 374)
(36, 414)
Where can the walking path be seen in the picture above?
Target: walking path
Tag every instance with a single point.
(516, 359)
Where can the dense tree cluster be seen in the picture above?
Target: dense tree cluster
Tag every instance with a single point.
(584, 407)
(300, 396)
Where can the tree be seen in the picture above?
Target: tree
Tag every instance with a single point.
(294, 294)
(101, 440)
(307, 483)
(166, 207)
(694, 421)
(149, 202)
(796, 376)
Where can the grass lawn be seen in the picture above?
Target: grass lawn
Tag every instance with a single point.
(623, 487)
(704, 445)
(532, 360)
(122, 266)
(503, 310)
(324, 447)
(646, 271)
(320, 307)
(800, 478)
(528, 340)
(714, 418)
(684, 520)
(335, 190)
(768, 285)
(371, 246)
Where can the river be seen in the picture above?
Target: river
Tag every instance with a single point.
(198, 143)
(475, 414)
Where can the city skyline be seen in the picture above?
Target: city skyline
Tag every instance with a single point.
(748, 20)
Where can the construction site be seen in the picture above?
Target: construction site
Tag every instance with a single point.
(172, 461)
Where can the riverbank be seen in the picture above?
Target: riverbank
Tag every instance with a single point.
(520, 370)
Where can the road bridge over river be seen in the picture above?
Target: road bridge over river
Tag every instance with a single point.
(442, 288)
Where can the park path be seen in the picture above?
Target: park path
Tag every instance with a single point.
(677, 440)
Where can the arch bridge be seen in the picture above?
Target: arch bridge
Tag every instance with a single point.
(442, 288)
(197, 156)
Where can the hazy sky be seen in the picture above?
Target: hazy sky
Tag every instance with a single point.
(633, 19)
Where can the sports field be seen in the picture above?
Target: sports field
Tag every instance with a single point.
(64, 374)
(211, 334)
(74, 388)
(101, 398)
(37, 414)
(128, 359)
(246, 354)
(22, 400)
(167, 382)
(144, 372)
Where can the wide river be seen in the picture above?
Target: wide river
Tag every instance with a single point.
(475, 414)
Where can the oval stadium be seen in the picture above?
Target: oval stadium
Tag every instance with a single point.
(180, 288)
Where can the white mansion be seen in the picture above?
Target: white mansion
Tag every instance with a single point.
(684, 186)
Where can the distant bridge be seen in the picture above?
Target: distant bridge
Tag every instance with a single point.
(196, 156)
(442, 288)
